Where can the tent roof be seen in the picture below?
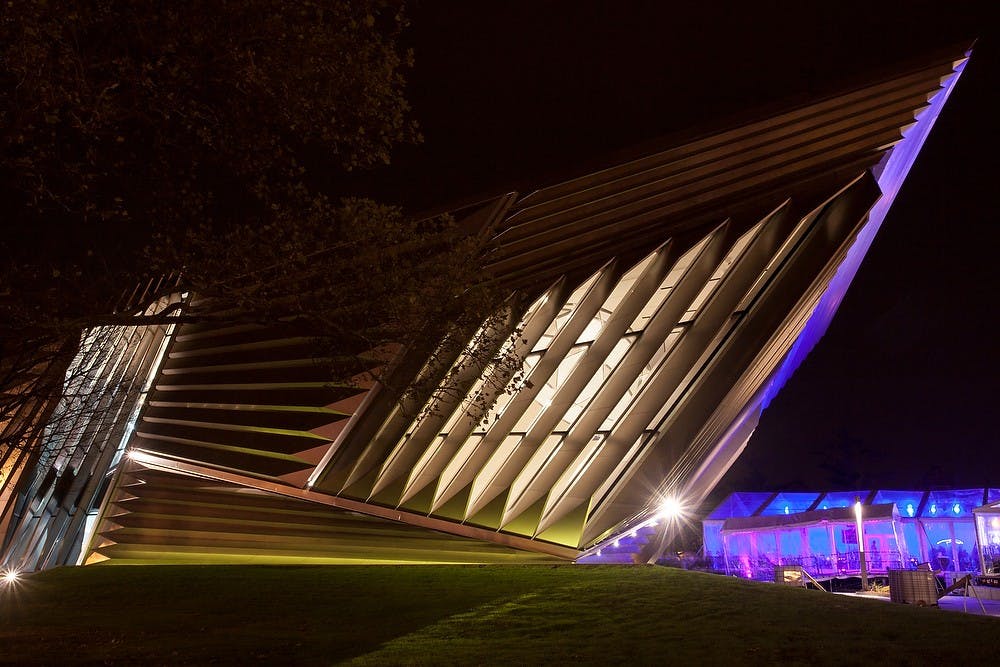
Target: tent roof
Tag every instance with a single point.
(989, 508)
(839, 514)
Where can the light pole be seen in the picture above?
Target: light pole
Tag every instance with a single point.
(861, 543)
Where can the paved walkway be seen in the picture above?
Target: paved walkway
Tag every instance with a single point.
(957, 603)
(969, 605)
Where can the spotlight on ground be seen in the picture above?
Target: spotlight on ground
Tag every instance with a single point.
(670, 508)
(138, 456)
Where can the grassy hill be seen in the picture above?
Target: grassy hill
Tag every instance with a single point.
(441, 615)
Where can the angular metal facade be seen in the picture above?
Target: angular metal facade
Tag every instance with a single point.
(666, 300)
(54, 486)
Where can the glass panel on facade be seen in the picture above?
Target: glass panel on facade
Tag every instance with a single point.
(881, 548)
(836, 499)
(644, 375)
(458, 461)
(790, 503)
(667, 286)
(989, 529)
(720, 273)
(487, 386)
(713, 543)
(593, 386)
(507, 395)
(494, 465)
(579, 466)
(425, 459)
(610, 305)
(790, 546)
(938, 544)
(908, 531)
(953, 503)
(739, 504)
(822, 556)
(907, 502)
(565, 314)
(818, 538)
(767, 550)
(845, 541)
(741, 558)
(535, 464)
(965, 546)
(594, 327)
(548, 391)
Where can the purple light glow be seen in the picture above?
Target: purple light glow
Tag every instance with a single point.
(890, 174)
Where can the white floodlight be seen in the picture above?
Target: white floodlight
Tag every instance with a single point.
(859, 517)
(139, 456)
(671, 508)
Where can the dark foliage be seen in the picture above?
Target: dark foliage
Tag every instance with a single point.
(147, 139)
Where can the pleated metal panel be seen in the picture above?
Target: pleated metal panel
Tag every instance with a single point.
(605, 417)
(164, 517)
(56, 501)
(160, 515)
(247, 398)
(614, 211)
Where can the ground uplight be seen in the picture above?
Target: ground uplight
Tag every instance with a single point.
(670, 508)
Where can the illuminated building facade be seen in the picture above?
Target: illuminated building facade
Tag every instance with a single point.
(665, 301)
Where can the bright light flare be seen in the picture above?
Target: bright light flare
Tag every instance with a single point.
(671, 508)
(139, 456)
(11, 577)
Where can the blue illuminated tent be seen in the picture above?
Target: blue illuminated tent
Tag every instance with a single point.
(748, 534)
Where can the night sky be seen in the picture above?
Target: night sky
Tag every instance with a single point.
(902, 390)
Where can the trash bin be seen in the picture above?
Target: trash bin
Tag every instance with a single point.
(913, 587)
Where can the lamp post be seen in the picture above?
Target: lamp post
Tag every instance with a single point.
(861, 543)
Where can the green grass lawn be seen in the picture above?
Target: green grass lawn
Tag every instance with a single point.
(441, 615)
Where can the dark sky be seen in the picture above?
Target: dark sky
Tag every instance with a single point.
(905, 382)
(902, 390)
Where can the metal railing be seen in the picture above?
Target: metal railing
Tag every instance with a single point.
(821, 566)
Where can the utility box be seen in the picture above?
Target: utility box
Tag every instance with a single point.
(913, 587)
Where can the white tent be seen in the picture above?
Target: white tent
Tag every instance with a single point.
(988, 535)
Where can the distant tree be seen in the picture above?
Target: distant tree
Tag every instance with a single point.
(186, 139)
